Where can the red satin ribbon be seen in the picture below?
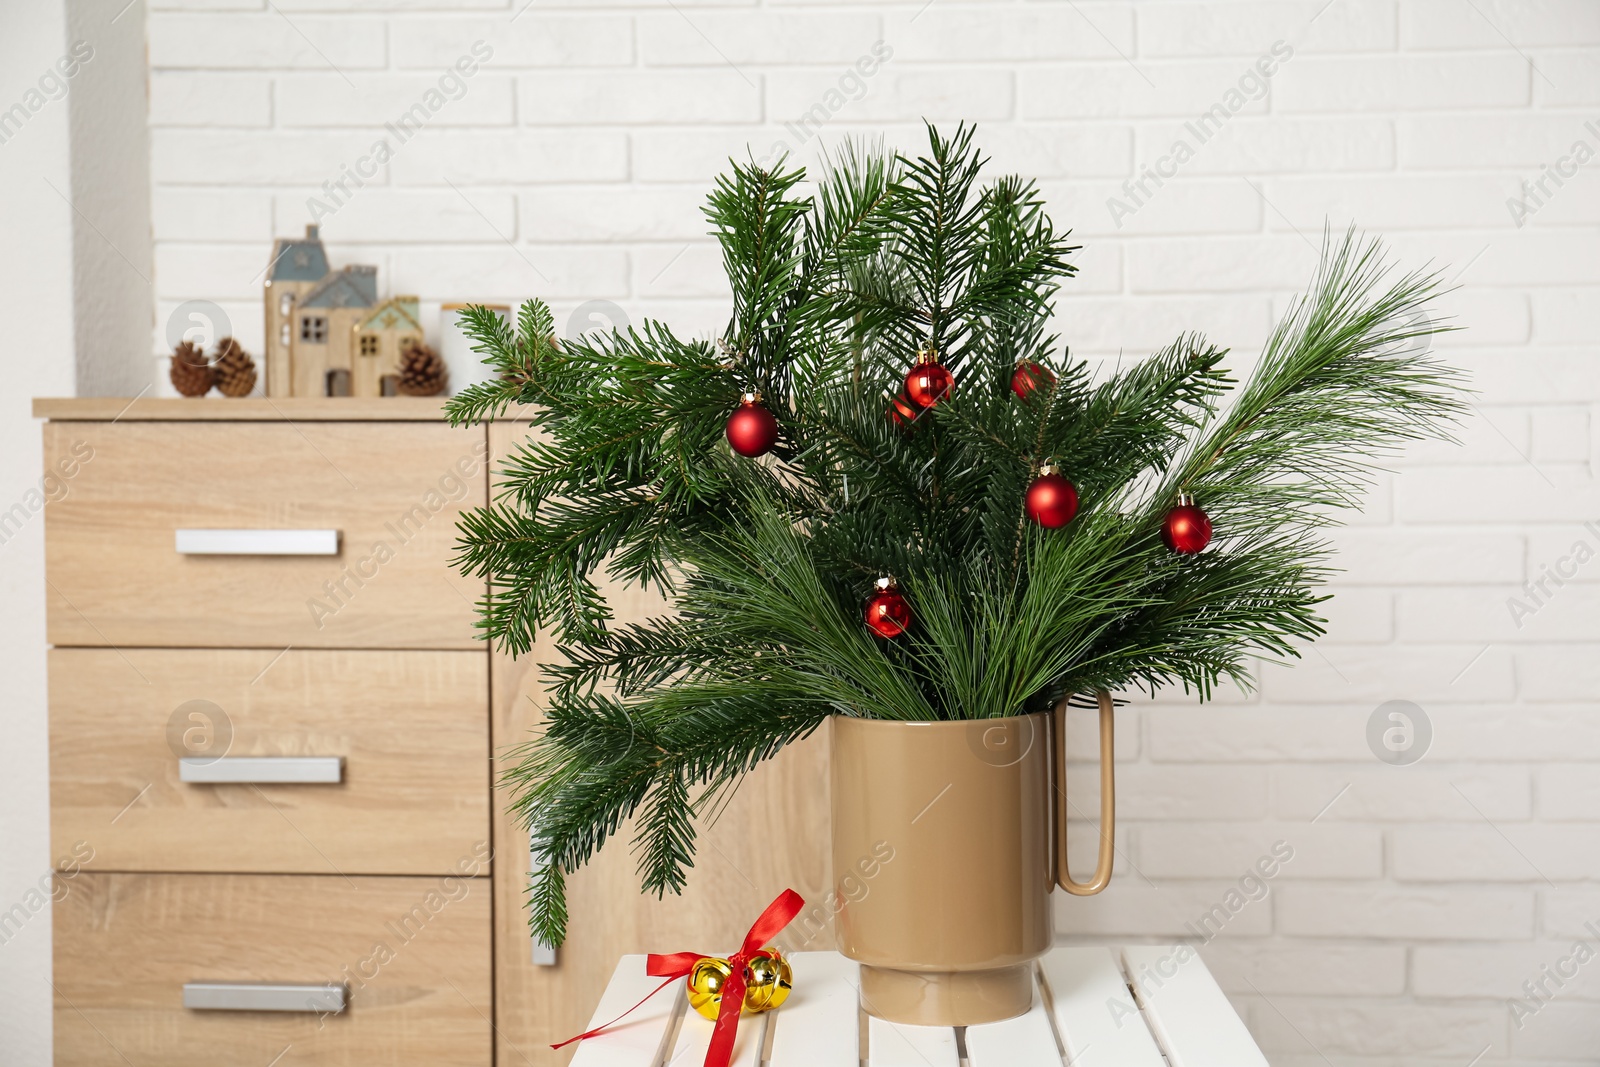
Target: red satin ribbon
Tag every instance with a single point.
(678, 964)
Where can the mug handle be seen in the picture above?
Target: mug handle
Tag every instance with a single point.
(1108, 800)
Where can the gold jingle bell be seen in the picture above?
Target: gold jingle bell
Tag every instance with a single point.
(705, 984)
(767, 983)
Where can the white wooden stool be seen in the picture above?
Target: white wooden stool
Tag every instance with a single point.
(1083, 1015)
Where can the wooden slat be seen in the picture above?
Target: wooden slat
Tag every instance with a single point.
(819, 1025)
(1084, 992)
(637, 1040)
(1096, 1016)
(892, 1045)
(1187, 1011)
(1026, 1041)
(695, 1036)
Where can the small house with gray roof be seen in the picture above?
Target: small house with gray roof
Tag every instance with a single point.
(324, 323)
(312, 317)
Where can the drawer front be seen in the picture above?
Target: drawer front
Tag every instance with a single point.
(406, 733)
(219, 535)
(412, 956)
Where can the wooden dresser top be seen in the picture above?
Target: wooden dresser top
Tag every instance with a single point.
(252, 409)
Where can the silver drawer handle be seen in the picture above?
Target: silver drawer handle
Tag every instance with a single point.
(263, 996)
(302, 769)
(258, 542)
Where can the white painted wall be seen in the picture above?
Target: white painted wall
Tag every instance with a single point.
(75, 227)
(36, 283)
(1418, 898)
(113, 297)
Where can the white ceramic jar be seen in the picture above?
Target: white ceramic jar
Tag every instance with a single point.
(455, 347)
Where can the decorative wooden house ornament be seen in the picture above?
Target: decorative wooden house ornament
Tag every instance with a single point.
(325, 327)
(379, 338)
(297, 265)
(327, 333)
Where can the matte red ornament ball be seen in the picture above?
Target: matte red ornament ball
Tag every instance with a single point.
(928, 383)
(887, 613)
(1052, 500)
(1186, 529)
(1030, 376)
(752, 431)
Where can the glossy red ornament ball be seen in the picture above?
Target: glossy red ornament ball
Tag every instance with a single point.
(902, 412)
(927, 383)
(1186, 529)
(752, 431)
(887, 612)
(1052, 500)
(1030, 376)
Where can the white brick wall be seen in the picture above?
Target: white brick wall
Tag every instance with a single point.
(1419, 898)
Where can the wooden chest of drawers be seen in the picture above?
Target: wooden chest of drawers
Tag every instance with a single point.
(273, 746)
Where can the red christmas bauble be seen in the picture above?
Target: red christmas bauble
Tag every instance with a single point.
(927, 383)
(887, 612)
(902, 412)
(752, 431)
(1052, 501)
(1028, 377)
(1186, 529)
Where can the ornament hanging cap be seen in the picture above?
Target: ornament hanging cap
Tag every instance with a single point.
(887, 583)
(749, 396)
(1185, 500)
(928, 352)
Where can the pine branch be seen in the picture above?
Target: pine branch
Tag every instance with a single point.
(1339, 387)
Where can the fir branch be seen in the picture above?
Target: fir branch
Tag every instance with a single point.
(547, 904)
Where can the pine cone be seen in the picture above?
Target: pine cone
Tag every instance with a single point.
(191, 374)
(422, 372)
(236, 371)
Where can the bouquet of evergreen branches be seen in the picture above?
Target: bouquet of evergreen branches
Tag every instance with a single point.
(768, 561)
